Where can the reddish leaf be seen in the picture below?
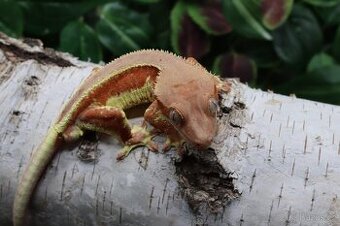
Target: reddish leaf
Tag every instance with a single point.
(235, 65)
(275, 12)
(187, 38)
(192, 40)
(215, 18)
(244, 16)
(209, 16)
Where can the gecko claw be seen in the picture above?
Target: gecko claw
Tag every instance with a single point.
(140, 137)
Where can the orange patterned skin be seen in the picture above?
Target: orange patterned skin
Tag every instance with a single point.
(183, 98)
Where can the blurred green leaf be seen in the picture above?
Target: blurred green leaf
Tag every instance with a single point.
(239, 15)
(80, 40)
(187, 38)
(49, 17)
(233, 65)
(260, 51)
(177, 14)
(320, 60)
(274, 13)
(147, 1)
(162, 40)
(208, 15)
(324, 93)
(336, 45)
(330, 15)
(299, 38)
(159, 14)
(322, 3)
(321, 84)
(325, 75)
(122, 30)
(11, 18)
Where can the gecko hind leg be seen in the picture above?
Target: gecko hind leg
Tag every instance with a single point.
(112, 121)
(72, 133)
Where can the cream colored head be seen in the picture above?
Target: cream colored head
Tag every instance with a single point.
(189, 97)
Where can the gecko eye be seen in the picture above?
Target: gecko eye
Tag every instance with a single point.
(213, 106)
(175, 117)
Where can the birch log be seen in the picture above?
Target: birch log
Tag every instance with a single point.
(280, 154)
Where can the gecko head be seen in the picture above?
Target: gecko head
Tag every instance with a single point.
(192, 106)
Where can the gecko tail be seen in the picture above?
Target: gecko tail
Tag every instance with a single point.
(37, 165)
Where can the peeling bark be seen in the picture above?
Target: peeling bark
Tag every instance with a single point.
(276, 160)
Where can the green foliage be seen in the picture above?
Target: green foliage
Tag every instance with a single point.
(285, 45)
(79, 39)
(325, 3)
(299, 38)
(122, 30)
(11, 19)
(239, 14)
(320, 60)
(321, 81)
(49, 17)
(336, 45)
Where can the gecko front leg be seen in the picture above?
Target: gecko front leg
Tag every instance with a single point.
(112, 121)
(154, 116)
(141, 137)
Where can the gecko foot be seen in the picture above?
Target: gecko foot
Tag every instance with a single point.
(178, 145)
(140, 137)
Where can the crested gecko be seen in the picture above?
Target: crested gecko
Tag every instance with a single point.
(184, 105)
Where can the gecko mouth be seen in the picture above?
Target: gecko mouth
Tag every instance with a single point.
(189, 146)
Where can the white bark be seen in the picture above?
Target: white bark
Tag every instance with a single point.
(286, 158)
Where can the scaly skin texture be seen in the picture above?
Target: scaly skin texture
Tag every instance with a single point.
(183, 97)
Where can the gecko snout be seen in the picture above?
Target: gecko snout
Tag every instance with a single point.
(202, 144)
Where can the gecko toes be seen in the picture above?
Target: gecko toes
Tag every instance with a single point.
(140, 138)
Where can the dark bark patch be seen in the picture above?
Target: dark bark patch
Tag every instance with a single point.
(17, 112)
(31, 87)
(33, 42)
(32, 81)
(16, 117)
(204, 182)
(239, 105)
(88, 148)
(15, 53)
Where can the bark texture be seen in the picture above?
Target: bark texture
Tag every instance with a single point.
(276, 158)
